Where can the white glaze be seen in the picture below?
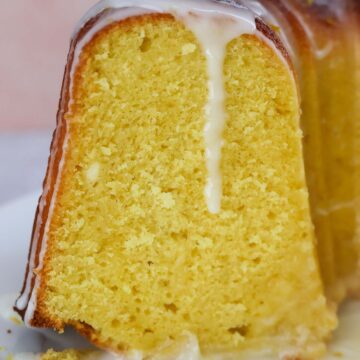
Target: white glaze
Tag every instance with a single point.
(33, 298)
(214, 33)
(186, 347)
(352, 204)
(319, 52)
(190, 350)
(202, 17)
(24, 301)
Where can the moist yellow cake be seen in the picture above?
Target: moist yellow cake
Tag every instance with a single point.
(176, 202)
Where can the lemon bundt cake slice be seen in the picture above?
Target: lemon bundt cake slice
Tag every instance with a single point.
(175, 200)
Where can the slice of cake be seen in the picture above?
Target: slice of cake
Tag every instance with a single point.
(175, 199)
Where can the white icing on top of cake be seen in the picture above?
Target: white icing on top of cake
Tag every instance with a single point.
(214, 24)
(23, 301)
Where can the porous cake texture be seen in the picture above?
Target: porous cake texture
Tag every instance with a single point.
(126, 247)
(133, 254)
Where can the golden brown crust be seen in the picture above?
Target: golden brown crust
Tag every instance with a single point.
(270, 34)
(90, 333)
(43, 207)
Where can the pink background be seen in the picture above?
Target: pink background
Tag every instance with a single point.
(34, 39)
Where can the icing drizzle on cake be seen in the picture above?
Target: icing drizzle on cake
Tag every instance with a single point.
(214, 33)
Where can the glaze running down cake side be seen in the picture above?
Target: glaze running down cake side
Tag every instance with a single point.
(176, 179)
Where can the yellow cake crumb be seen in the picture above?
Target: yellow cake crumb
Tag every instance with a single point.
(133, 250)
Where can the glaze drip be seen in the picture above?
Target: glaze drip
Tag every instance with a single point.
(214, 33)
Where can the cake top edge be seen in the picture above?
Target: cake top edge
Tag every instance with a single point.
(250, 8)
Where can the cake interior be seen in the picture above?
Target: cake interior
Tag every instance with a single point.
(133, 252)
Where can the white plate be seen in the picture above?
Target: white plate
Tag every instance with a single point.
(16, 220)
